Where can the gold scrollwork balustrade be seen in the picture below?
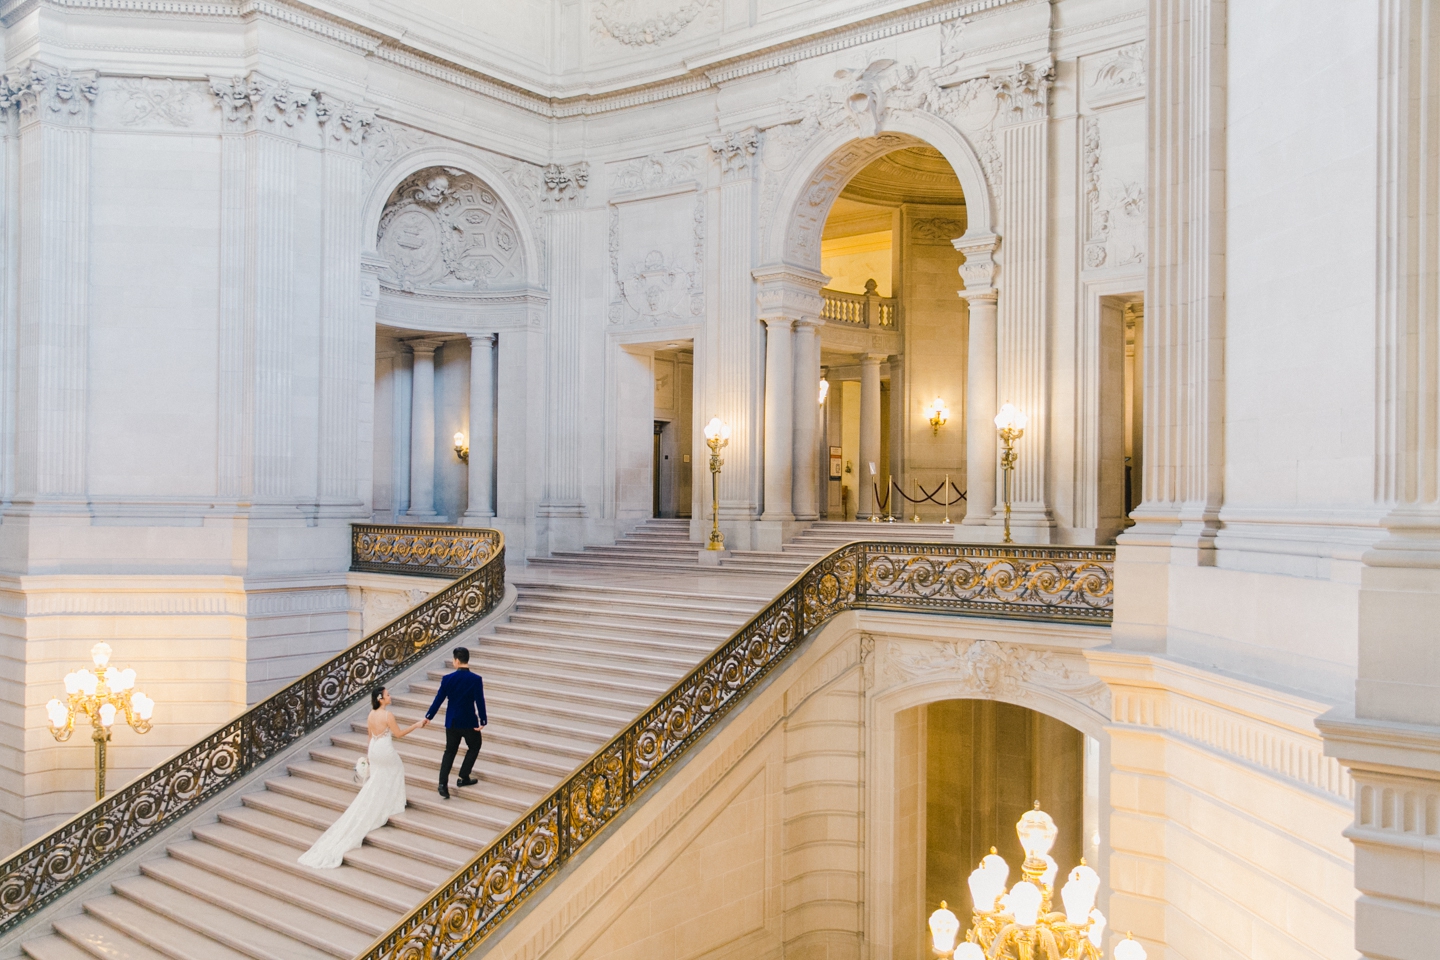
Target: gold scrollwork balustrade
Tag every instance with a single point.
(96, 837)
(420, 551)
(1066, 584)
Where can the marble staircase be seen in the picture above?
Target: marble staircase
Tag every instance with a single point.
(575, 661)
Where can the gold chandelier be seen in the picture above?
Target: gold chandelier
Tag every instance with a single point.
(1019, 924)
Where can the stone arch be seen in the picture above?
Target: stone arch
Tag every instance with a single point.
(511, 200)
(1055, 683)
(828, 161)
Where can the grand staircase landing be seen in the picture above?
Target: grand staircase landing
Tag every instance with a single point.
(666, 545)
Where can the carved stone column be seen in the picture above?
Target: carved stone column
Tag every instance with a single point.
(482, 429)
(345, 372)
(422, 432)
(1391, 744)
(981, 456)
(789, 298)
(869, 433)
(54, 275)
(779, 419)
(258, 153)
(1023, 369)
(807, 418)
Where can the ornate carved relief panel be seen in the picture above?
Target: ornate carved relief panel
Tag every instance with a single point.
(445, 231)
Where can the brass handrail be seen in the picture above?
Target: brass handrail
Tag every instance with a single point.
(100, 834)
(1066, 584)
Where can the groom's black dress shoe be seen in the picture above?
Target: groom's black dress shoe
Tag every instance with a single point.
(444, 791)
(466, 782)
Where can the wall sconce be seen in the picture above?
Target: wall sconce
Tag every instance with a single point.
(462, 447)
(939, 413)
(824, 391)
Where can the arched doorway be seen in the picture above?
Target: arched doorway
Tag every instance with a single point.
(894, 341)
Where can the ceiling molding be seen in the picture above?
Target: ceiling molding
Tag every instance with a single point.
(392, 44)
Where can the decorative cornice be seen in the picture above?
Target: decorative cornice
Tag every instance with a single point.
(390, 47)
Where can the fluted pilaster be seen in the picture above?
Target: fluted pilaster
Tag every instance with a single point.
(563, 475)
(733, 382)
(52, 347)
(1185, 279)
(1022, 335)
(258, 196)
(341, 363)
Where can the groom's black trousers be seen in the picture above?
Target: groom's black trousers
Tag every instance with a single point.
(453, 736)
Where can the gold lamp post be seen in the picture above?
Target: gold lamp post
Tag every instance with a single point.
(101, 695)
(717, 436)
(1011, 422)
(1020, 924)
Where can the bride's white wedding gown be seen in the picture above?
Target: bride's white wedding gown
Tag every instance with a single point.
(381, 797)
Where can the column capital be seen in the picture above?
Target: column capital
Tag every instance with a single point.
(782, 289)
(873, 358)
(345, 122)
(424, 346)
(50, 94)
(255, 101)
(979, 268)
(1024, 92)
(485, 338)
(778, 322)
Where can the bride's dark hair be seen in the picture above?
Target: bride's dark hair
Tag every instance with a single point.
(375, 698)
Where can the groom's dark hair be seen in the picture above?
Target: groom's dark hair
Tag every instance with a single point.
(461, 655)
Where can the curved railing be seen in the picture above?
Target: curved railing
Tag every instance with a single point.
(417, 551)
(1068, 584)
(97, 836)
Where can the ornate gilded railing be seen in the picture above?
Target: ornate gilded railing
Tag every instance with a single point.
(1034, 583)
(97, 836)
(447, 552)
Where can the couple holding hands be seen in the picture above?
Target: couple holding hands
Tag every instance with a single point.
(383, 793)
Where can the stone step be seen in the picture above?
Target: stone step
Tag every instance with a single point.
(159, 932)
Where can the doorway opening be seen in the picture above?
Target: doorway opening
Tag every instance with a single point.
(654, 467)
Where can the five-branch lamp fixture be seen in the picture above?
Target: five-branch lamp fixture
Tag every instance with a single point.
(939, 414)
(717, 435)
(1019, 925)
(102, 695)
(1011, 422)
(462, 447)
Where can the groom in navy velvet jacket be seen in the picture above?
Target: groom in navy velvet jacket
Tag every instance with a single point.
(463, 718)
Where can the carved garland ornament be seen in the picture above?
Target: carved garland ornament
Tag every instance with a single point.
(639, 23)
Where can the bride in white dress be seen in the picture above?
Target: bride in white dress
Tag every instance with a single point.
(382, 795)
